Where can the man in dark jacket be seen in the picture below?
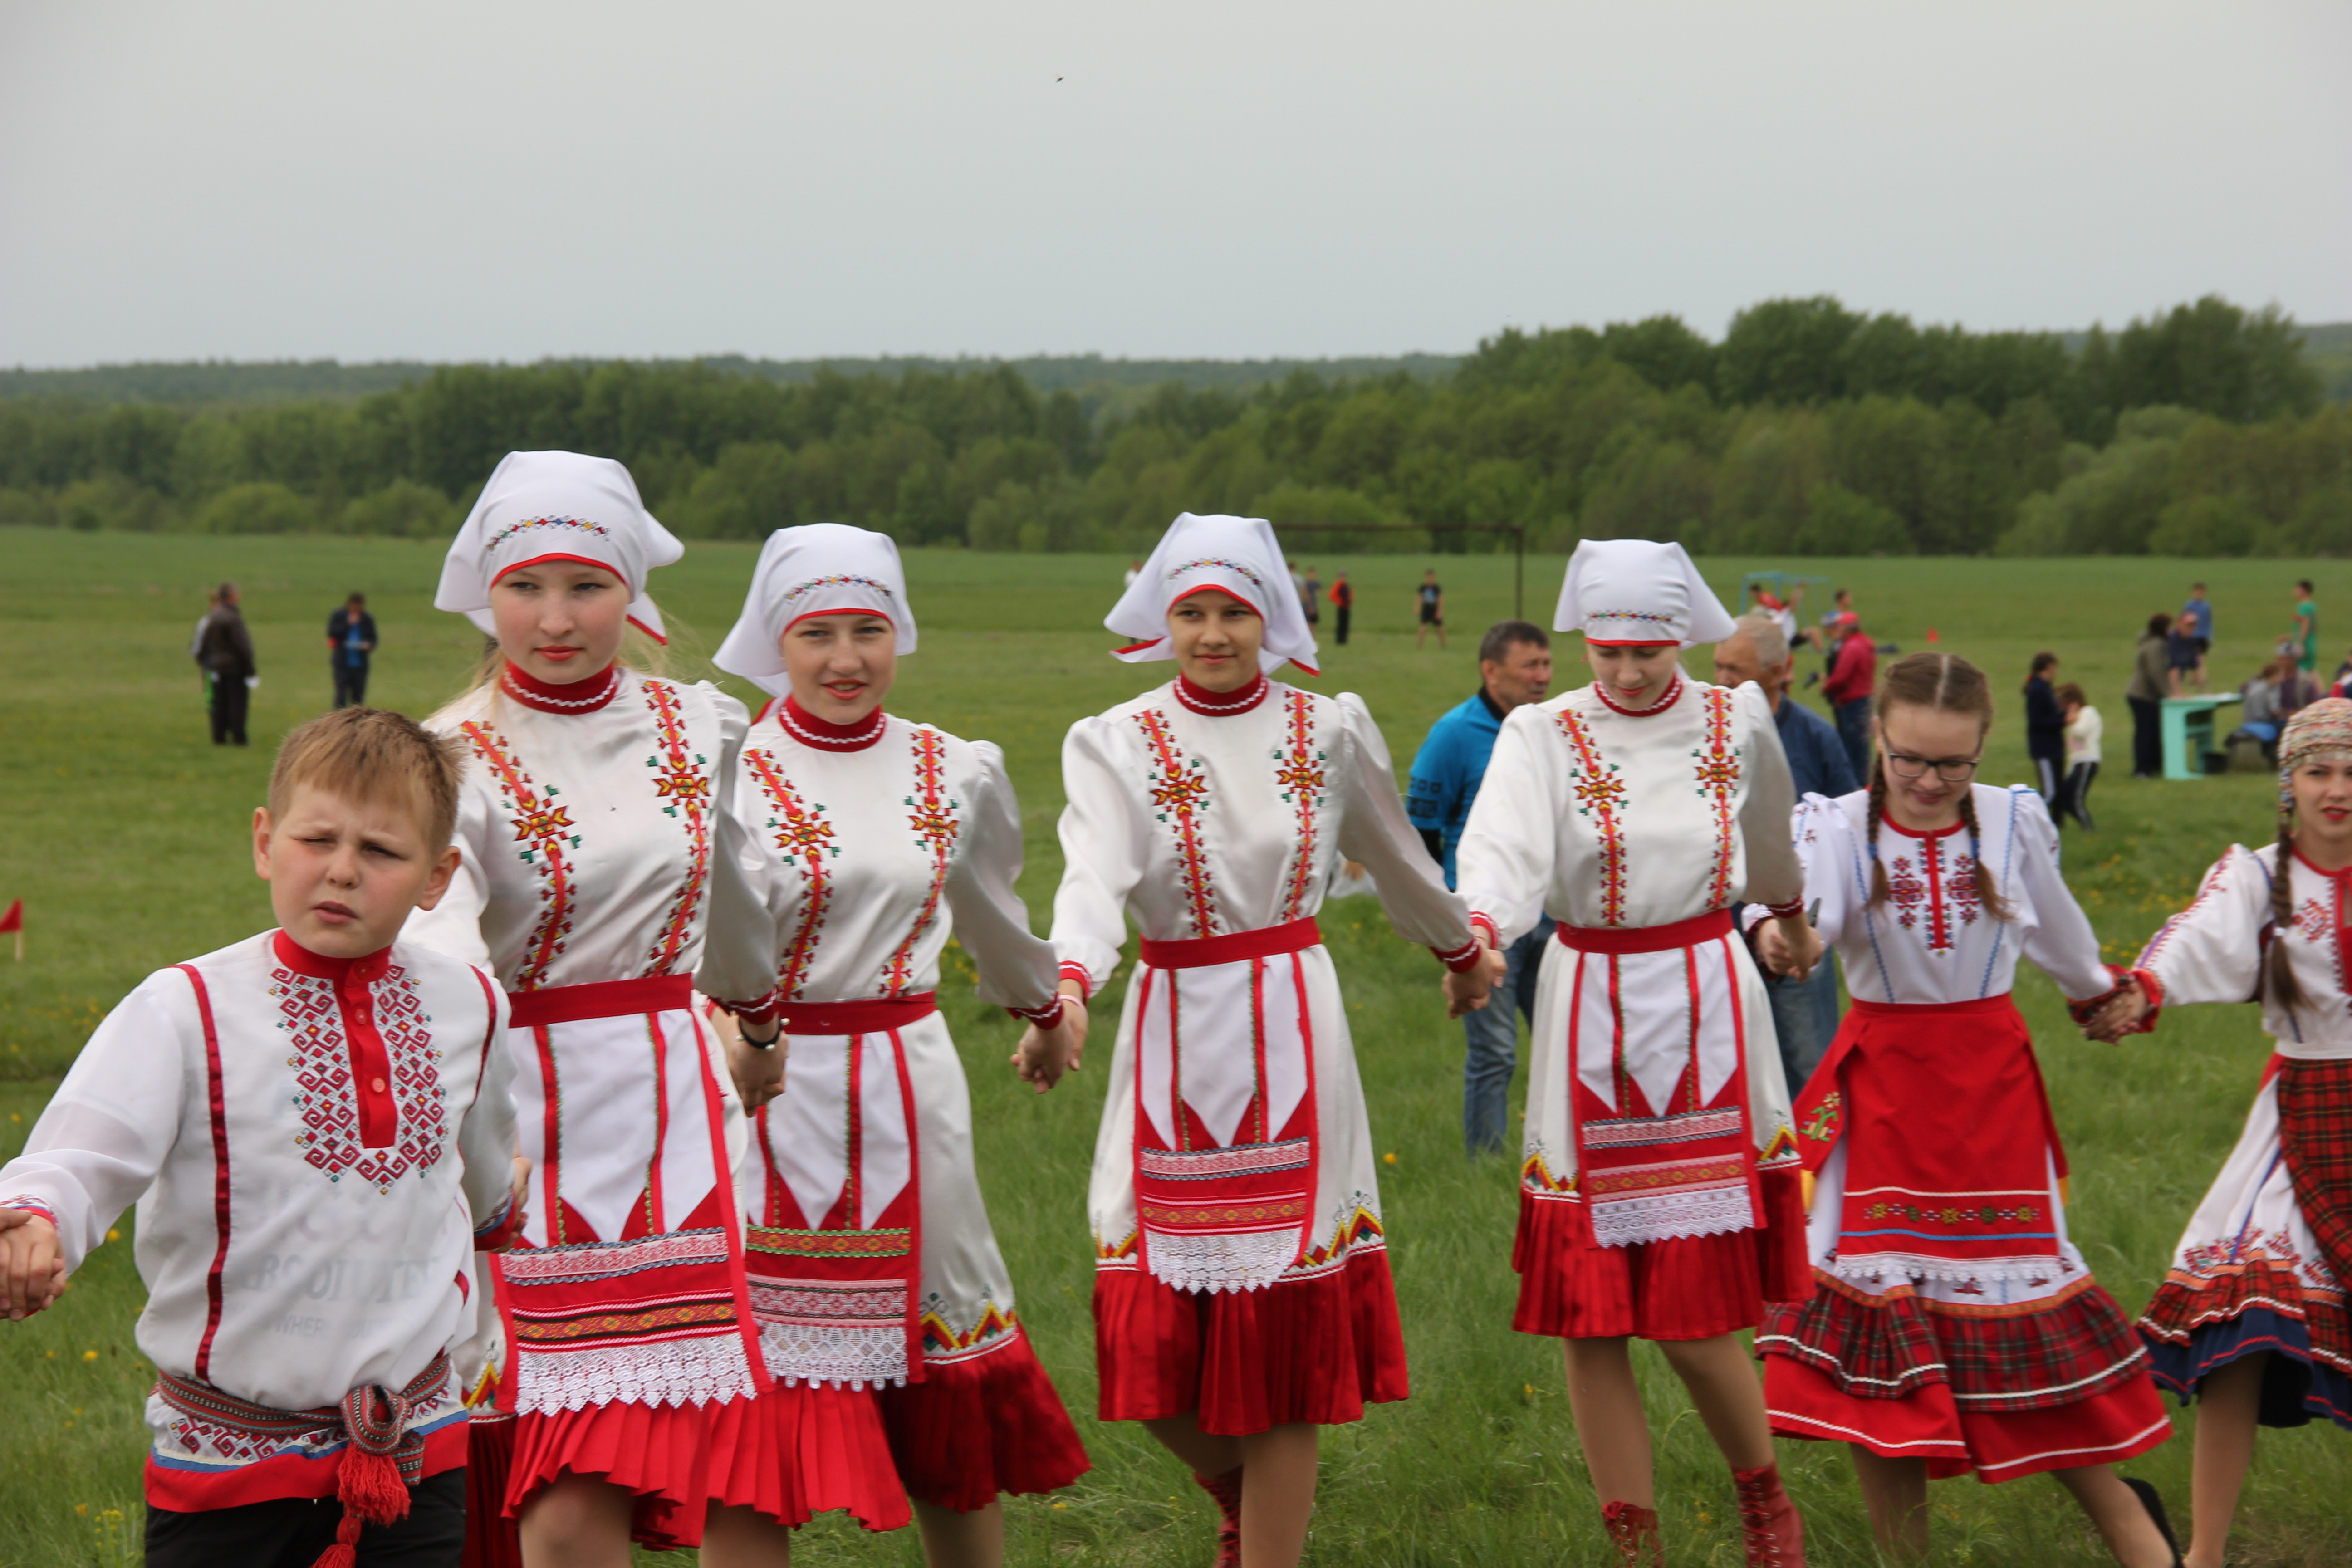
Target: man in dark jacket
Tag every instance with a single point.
(225, 650)
(350, 637)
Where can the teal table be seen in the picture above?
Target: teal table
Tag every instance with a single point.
(2189, 733)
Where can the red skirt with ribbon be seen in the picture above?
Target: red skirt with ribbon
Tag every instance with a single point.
(1952, 1321)
(1672, 1226)
(1227, 1304)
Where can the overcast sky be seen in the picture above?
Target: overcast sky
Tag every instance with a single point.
(508, 180)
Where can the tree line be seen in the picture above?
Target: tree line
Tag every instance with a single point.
(1808, 429)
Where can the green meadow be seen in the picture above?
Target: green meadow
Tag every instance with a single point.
(125, 833)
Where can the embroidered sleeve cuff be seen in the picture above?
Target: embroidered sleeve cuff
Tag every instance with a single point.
(504, 1229)
(1460, 958)
(764, 1011)
(1484, 926)
(1077, 972)
(1045, 1015)
(32, 1207)
(2154, 988)
(1795, 906)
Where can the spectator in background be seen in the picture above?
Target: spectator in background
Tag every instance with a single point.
(2180, 656)
(196, 644)
(2084, 734)
(2202, 608)
(1134, 570)
(1853, 676)
(350, 637)
(1804, 1012)
(2151, 684)
(1431, 599)
(225, 650)
(2306, 627)
(2045, 725)
(1514, 669)
(1343, 603)
(2262, 713)
(1825, 636)
(1313, 599)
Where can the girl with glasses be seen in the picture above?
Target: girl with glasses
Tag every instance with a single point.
(1953, 1327)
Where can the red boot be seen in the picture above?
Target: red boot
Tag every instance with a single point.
(1227, 1489)
(1775, 1536)
(1635, 1529)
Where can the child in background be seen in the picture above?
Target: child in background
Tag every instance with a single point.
(2082, 734)
(314, 1122)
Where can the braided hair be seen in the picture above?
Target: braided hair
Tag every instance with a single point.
(2278, 969)
(1950, 684)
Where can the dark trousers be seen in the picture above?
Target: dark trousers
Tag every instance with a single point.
(1853, 729)
(2148, 738)
(2049, 771)
(2074, 795)
(351, 684)
(290, 1532)
(1341, 621)
(229, 699)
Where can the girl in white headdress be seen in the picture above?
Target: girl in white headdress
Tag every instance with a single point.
(882, 1300)
(1242, 1289)
(601, 879)
(1660, 1196)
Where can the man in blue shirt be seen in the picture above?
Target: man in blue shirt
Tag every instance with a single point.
(1804, 1012)
(1514, 669)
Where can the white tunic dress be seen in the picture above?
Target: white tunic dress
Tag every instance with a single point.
(309, 1141)
(2253, 1271)
(874, 1262)
(602, 872)
(1653, 1057)
(1234, 1082)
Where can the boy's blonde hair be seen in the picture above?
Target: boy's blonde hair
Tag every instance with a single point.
(374, 754)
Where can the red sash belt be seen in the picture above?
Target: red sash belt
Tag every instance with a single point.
(1200, 952)
(1645, 938)
(870, 1017)
(2001, 1004)
(604, 999)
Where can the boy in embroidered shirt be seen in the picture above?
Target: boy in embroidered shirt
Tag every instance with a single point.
(318, 1135)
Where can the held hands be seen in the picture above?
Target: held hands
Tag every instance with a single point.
(758, 1074)
(2118, 1018)
(1789, 946)
(30, 1258)
(1466, 990)
(1047, 1052)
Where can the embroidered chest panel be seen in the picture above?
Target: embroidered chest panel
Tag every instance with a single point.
(682, 781)
(935, 820)
(1598, 788)
(1716, 776)
(545, 839)
(805, 842)
(1303, 779)
(1933, 891)
(326, 1085)
(1180, 796)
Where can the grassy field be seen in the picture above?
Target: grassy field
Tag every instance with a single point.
(123, 831)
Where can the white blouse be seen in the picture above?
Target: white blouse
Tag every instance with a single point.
(869, 855)
(1605, 818)
(2213, 950)
(603, 845)
(307, 1186)
(1932, 939)
(1208, 824)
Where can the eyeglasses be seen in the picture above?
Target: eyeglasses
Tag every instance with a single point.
(1951, 770)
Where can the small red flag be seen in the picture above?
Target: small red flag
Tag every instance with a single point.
(15, 919)
(1931, 634)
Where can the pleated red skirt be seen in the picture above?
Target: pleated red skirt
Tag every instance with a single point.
(790, 1454)
(981, 1426)
(1304, 1351)
(1692, 1288)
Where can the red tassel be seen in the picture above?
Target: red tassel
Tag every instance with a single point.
(370, 1489)
(345, 1552)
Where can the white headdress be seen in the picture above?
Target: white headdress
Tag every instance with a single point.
(556, 505)
(816, 568)
(1236, 555)
(1638, 591)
